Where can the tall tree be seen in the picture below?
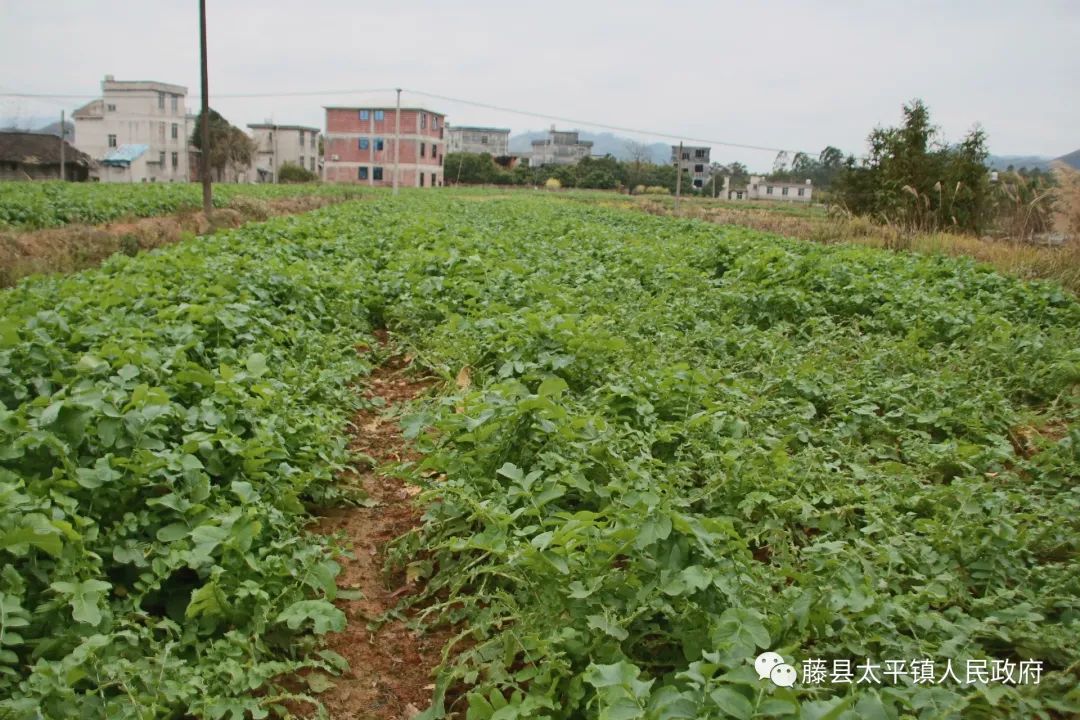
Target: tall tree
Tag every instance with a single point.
(230, 147)
(914, 178)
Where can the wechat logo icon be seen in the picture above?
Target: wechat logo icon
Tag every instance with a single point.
(770, 665)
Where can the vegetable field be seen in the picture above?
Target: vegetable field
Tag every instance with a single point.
(33, 205)
(679, 445)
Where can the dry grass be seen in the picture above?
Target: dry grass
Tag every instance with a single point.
(77, 247)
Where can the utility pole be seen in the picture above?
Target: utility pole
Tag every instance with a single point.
(63, 141)
(397, 139)
(678, 177)
(207, 197)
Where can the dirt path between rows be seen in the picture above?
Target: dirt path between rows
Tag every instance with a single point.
(390, 674)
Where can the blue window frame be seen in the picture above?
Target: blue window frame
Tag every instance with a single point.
(376, 173)
(364, 115)
(378, 114)
(361, 173)
(378, 143)
(364, 143)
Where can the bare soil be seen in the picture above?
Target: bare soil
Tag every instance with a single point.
(391, 668)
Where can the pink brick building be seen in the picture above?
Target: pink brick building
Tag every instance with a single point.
(359, 146)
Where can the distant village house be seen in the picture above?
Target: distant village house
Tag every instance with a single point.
(758, 188)
(359, 146)
(279, 144)
(560, 147)
(138, 131)
(36, 156)
(478, 140)
(694, 161)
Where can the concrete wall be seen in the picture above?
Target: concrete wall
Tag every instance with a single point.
(421, 154)
(149, 113)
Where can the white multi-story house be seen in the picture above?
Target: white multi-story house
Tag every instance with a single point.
(136, 132)
(478, 140)
(279, 144)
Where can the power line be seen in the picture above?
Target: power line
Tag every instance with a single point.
(588, 123)
(446, 98)
(217, 96)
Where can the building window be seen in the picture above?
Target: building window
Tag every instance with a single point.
(112, 141)
(110, 108)
(421, 179)
(699, 153)
(301, 138)
(379, 115)
(312, 164)
(175, 160)
(378, 143)
(422, 155)
(768, 190)
(364, 115)
(175, 131)
(686, 156)
(300, 162)
(423, 120)
(161, 100)
(483, 139)
(161, 158)
(364, 143)
(175, 103)
(434, 122)
(697, 183)
(783, 191)
(376, 173)
(361, 173)
(432, 179)
(802, 192)
(313, 134)
(699, 168)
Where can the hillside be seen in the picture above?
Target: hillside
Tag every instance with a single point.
(1072, 159)
(1031, 162)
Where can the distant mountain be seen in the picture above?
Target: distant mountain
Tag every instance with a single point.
(1002, 162)
(54, 129)
(603, 144)
(1072, 159)
(26, 123)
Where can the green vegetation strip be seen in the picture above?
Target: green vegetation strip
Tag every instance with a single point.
(682, 445)
(34, 205)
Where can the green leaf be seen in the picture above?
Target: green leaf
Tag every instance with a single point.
(732, 703)
(322, 615)
(84, 598)
(256, 364)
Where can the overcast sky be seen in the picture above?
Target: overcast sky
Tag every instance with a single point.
(793, 75)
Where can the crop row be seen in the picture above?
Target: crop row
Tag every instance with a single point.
(32, 205)
(682, 445)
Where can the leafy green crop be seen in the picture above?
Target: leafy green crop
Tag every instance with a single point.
(683, 444)
(163, 421)
(52, 204)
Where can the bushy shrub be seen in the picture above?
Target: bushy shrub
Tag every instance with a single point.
(292, 173)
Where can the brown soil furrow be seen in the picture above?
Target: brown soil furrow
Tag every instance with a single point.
(391, 668)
